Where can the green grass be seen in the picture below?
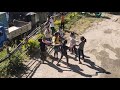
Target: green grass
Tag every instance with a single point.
(3, 53)
(12, 66)
(3, 69)
(84, 23)
(77, 20)
(70, 18)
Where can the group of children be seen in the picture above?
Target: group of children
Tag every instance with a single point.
(56, 39)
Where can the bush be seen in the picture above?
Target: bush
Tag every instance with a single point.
(15, 63)
(71, 18)
(3, 53)
(12, 65)
(57, 22)
(33, 45)
(3, 69)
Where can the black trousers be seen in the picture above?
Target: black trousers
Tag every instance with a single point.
(80, 53)
(74, 49)
(43, 55)
(62, 57)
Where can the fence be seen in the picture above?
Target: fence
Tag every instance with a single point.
(18, 48)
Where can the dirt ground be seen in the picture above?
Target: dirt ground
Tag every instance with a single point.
(102, 52)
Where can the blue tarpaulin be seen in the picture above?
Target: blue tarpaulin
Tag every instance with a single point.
(3, 36)
(4, 19)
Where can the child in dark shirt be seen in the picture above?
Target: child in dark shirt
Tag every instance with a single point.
(81, 48)
(64, 49)
(43, 50)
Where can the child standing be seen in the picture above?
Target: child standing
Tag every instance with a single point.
(52, 25)
(48, 34)
(61, 34)
(81, 48)
(56, 43)
(72, 42)
(61, 31)
(43, 50)
(64, 49)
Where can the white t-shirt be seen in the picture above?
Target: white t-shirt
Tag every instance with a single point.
(51, 22)
(48, 33)
(72, 41)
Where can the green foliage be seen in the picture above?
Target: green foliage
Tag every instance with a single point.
(15, 62)
(33, 45)
(71, 18)
(57, 22)
(3, 69)
(12, 65)
(3, 53)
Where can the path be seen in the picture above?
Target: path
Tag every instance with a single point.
(103, 48)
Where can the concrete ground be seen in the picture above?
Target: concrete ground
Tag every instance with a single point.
(102, 50)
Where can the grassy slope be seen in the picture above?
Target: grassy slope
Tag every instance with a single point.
(76, 21)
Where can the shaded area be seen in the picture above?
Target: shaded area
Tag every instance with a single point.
(108, 63)
(115, 50)
(73, 68)
(77, 69)
(93, 15)
(27, 72)
(72, 58)
(95, 67)
(115, 13)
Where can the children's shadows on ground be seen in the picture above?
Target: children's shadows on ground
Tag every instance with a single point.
(77, 69)
(72, 58)
(74, 68)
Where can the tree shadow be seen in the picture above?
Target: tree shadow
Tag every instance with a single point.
(93, 16)
(115, 50)
(25, 74)
(95, 67)
(115, 13)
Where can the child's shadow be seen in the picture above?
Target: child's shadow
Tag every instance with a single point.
(95, 67)
(77, 69)
(72, 58)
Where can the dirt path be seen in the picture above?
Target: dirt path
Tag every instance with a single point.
(103, 49)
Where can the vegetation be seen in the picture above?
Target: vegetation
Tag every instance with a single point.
(3, 53)
(77, 19)
(14, 64)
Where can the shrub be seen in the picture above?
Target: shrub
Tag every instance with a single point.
(57, 22)
(3, 69)
(33, 45)
(3, 53)
(15, 63)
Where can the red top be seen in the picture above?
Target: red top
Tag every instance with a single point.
(62, 18)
